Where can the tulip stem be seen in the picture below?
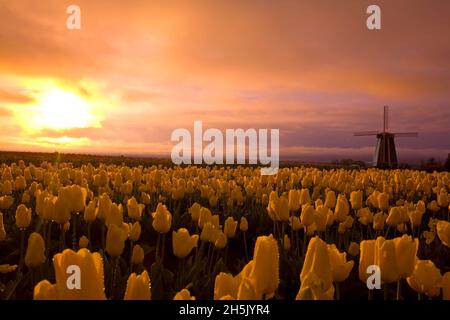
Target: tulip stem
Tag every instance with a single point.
(74, 231)
(399, 289)
(62, 239)
(163, 249)
(131, 256)
(337, 291)
(22, 249)
(89, 227)
(157, 246)
(245, 247)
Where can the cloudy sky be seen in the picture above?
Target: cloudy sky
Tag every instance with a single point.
(137, 70)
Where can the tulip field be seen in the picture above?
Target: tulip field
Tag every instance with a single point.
(140, 232)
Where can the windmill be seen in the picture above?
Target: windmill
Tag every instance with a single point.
(385, 155)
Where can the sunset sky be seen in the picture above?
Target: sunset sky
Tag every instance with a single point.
(137, 70)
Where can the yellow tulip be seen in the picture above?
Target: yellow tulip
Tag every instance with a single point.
(184, 294)
(137, 256)
(44, 290)
(317, 261)
(314, 288)
(426, 278)
(443, 232)
(204, 217)
(138, 287)
(115, 240)
(386, 259)
(383, 201)
(243, 224)
(114, 215)
(23, 217)
(394, 218)
(183, 243)
(35, 254)
(221, 240)
(194, 211)
(406, 249)
(162, 219)
(379, 220)
(307, 215)
(356, 199)
(320, 217)
(104, 204)
(266, 265)
(135, 231)
(91, 275)
(134, 209)
(286, 242)
(446, 286)
(248, 290)
(340, 267)
(366, 258)
(353, 249)
(294, 199)
(90, 212)
(330, 199)
(83, 242)
(225, 284)
(304, 197)
(342, 208)
(230, 227)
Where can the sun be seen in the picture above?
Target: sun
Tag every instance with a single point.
(60, 109)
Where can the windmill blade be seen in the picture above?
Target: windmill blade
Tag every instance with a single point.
(406, 134)
(365, 133)
(386, 118)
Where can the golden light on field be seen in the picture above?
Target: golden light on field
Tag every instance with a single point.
(60, 109)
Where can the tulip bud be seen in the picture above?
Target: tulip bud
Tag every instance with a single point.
(378, 221)
(90, 212)
(115, 240)
(294, 200)
(330, 199)
(23, 217)
(35, 254)
(221, 240)
(342, 208)
(225, 285)
(317, 262)
(266, 265)
(138, 287)
(137, 256)
(406, 250)
(446, 286)
(426, 278)
(383, 201)
(183, 243)
(307, 216)
(286, 243)
(184, 294)
(340, 267)
(83, 242)
(135, 231)
(194, 211)
(366, 258)
(353, 249)
(134, 209)
(356, 199)
(162, 219)
(44, 290)
(204, 217)
(248, 290)
(230, 227)
(386, 259)
(443, 232)
(243, 225)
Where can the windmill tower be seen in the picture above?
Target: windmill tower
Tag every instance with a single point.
(385, 155)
